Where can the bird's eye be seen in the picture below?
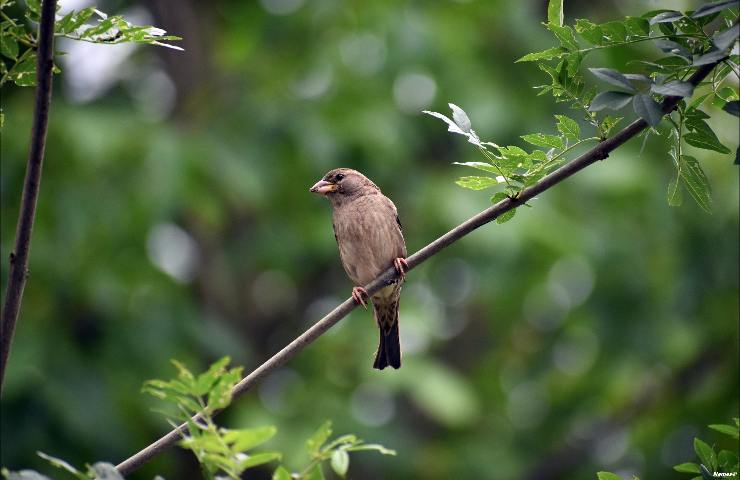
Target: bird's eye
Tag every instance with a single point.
(339, 177)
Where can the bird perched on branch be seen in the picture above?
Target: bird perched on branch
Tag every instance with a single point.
(369, 237)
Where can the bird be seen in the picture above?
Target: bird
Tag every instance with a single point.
(370, 240)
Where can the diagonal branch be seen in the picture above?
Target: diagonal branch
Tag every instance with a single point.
(599, 152)
(19, 257)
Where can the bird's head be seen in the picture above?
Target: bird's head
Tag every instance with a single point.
(343, 183)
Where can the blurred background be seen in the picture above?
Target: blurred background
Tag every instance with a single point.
(597, 330)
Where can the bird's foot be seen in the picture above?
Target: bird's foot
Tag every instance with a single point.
(360, 296)
(401, 266)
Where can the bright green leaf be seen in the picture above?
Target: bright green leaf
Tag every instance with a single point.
(548, 54)
(608, 476)
(281, 473)
(258, 459)
(506, 216)
(315, 474)
(340, 462)
(687, 468)
(568, 127)
(314, 443)
(543, 140)
(565, 35)
(675, 199)
(372, 446)
(248, 438)
(555, 12)
(478, 183)
(726, 429)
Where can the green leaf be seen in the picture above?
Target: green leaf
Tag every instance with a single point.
(79, 19)
(315, 474)
(313, 444)
(613, 77)
(724, 39)
(701, 139)
(737, 156)
(676, 89)
(608, 476)
(248, 438)
(568, 127)
(486, 167)
(543, 140)
(733, 108)
(24, 475)
(281, 474)
(372, 446)
(24, 73)
(614, 31)
(258, 459)
(734, 432)
(555, 12)
(340, 462)
(675, 199)
(697, 184)
(727, 459)
(478, 183)
(712, 56)
(687, 468)
(548, 54)
(609, 123)
(710, 8)
(8, 46)
(590, 32)
(565, 35)
(666, 17)
(637, 26)
(647, 108)
(506, 216)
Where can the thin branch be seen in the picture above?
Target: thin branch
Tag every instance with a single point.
(19, 257)
(599, 152)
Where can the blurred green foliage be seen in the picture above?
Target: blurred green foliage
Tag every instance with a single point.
(594, 331)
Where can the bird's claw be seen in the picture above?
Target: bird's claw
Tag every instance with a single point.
(401, 266)
(360, 296)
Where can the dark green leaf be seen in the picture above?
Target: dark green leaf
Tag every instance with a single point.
(611, 100)
(676, 88)
(613, 77)
(548, 54)
(609, 123)
(669, 16)
(79, 19)
(637, 26)
(340, 462)
(705, 473)
(506, 216)
(697, 184)
(8, 46)
(710, 8)
(590, 32)
(726, 459)
(281, 473)
(724, 40)
(726, 429)
(24, 72)
(707, 141)
(647, 109)
(568, 127)
(543, 140)
(672, 48)
(737, 156)
(313, 444)
(712, 57)
(687, 468)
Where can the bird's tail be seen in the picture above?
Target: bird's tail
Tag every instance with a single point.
(389, 349)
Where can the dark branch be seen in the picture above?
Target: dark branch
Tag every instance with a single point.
(19, 257)
(599, 152)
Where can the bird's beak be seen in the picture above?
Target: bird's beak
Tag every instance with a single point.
(323, 187)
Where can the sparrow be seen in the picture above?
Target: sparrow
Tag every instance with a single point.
(368, 233)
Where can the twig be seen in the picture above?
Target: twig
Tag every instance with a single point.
(19, 257)
(599, 152)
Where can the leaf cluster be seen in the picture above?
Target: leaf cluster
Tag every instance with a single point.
(684, 45)
(19, 37)
(711, 460)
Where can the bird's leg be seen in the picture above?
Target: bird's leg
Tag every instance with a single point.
(360, 296)
(401, 266)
